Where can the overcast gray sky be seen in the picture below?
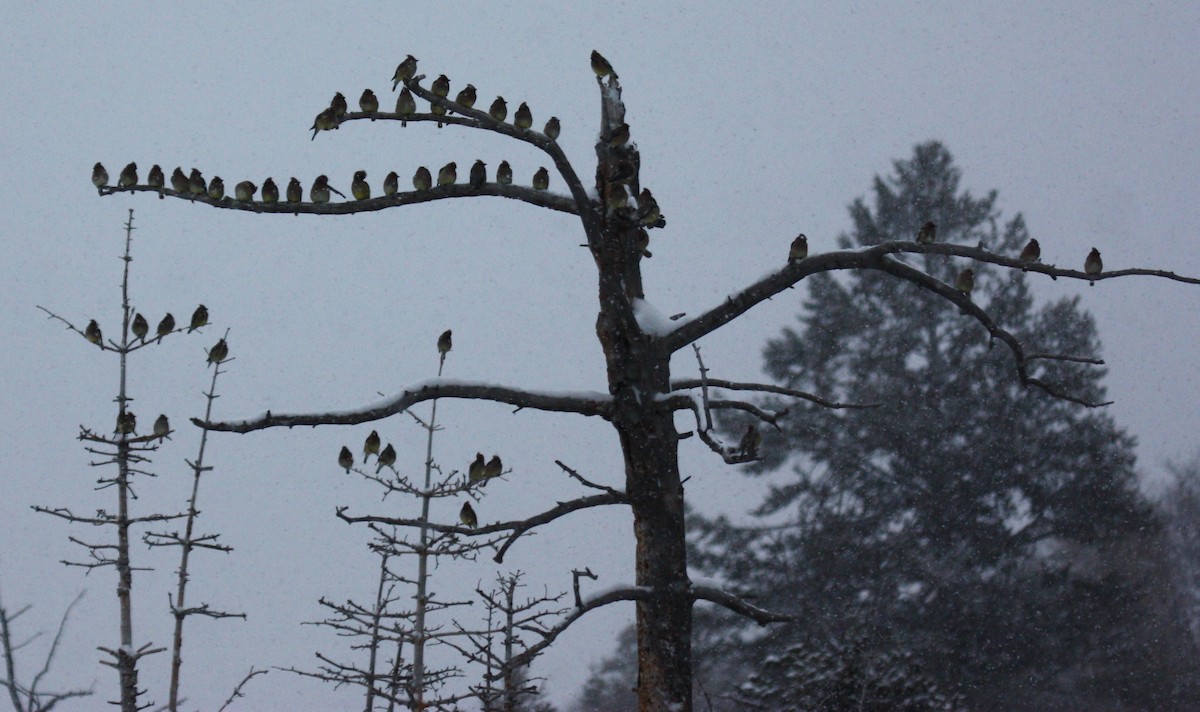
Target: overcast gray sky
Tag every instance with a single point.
(754, 123)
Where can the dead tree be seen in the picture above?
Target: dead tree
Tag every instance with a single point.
(636, 340)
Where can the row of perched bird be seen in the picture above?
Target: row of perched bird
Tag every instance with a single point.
(244, 191)
(127, 425)
(965, 281)
(141, 328)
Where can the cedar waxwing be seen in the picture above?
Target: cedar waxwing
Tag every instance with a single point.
(216, 188)
(391, 184)
(218, 352)
(406, 105)
(99, 175)
(404, 71)
(601, 66)
(421, 179)
(619, 135)
(1032, 251)
(199, 318)
(541, 179)
(359, 187)
(552, 128)
(325, 121)
(467, 515)
(166, 326)
(244, 191)
(643, 243)
(799, 249)
(295, 191)
(614, 195)
(368, 102)
(321, 189)
(196, 184)
(444, 343)
(270, 191)
(126, 423)
(748, 445)
(140, 327)
(504, 173)
(475, 471)
(1093, 264)
(162, 427)
(448, 174)
(493, 468)
(128, 176)
(648, 212)
(387, 458)
(437, 110)
(499, 110)
(441, 86)
(156, 179)
(466, 97)
(179, 182)
(927, 234)
(338, 106)
(523, 119)
(478, 174)
(345, 459)
(92, 333)
(371, 446)
(965, 281)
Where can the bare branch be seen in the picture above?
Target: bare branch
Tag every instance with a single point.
(739, 606)
(620, 594)
(593, 403)
(237, 691)
(679, 384)
(585, 482)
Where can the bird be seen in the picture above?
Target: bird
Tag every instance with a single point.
(162, 427)
(541, 179)
(437, 110)
(126, 423)
(552, 128)
(99, 175)
(156, 179)
(421, 179)
(359, 187)
(244, 191)
(1032, 251)
(1093, 264)
(445, 343)
(128, 176)
(368, 102)
(321, 189)
(523, 119)
(467, 515)
(499, 110)
(619, 135)
(199, 318)
(338, 105)
(404, 71)
(371, 446)
(476, 469)
(295, 191)
(478, 174)
(270, 191)
(196, 184)
(466, 97)
(345, 459)
(493, 468)
(218, 352)
(440, 86)
(601, 66)
(391, 184)
(965, 281)
(751, 439)
(448, 174)
(325, 120)
(216, 188)
(92, 333)
(799, 248)
(179, 182)
(140, 327)
(406, 105)
(643, 243)
(927, 234)
(648, 212)
(504, 173)
(615, 195)
(165, 326)
(387, 458)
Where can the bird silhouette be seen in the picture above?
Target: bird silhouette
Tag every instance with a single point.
(404, 71)
(99, 175)
(799, 249)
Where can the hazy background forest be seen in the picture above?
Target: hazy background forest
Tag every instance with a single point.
(753, 126)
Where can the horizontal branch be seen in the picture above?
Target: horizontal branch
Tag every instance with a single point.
(679, 384)
(582, 403)
(739, 606)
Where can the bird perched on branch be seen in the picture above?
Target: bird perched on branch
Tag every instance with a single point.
(319, 193)
(128, 176)
(199, 318)
(648, 211)
(92, 333)
(619, 135)
(325, 121)
(504, 173)
(523, 119)
(750, 442)
(99, 175)
(466, 97)
(965, 282)
(499, 109)
(165, 326)
(601, 66)
(196, 184)
(156, 179)
(493, 468)
(421, 179)
(218, 352)
(371, 446)
(643, 243)
(927, 234)
(368, 102)
(295, 191)
(216, 188)
(359, 187)
(140, 327)
(391, 184)
(440, 86)
(1093, 264)
(179, 182)
(404, 71)
(445, 343)
(387, 458)
(126, 423)
(478, 174)
(162, 427)
(345, 459)
(799, 248)
(338, 105)
(448, 174)
(475, 472)
(270, 191)
(541, 179)
(244, 191)
(466, 515)
(1032, 251)
(406, 105)
(552, 128)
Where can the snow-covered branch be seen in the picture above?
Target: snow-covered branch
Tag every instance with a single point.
(680, 384)
(739, 606)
